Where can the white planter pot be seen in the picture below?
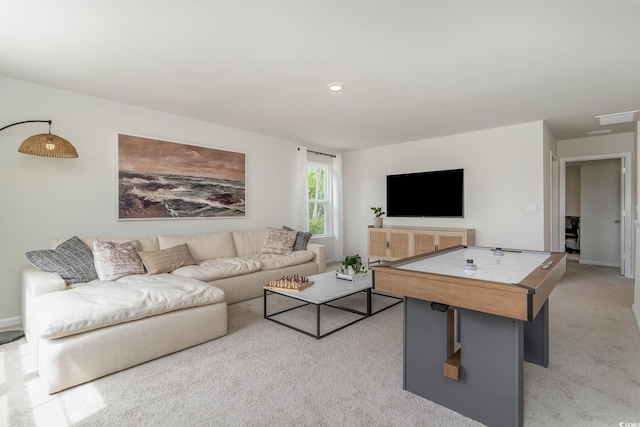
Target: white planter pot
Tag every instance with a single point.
(377, 222)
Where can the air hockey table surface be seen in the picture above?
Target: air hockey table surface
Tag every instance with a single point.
(504, 282)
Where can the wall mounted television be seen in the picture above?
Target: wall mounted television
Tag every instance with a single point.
(426, 194)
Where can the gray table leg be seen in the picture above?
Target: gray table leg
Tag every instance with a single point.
(536, 338)
(318, 318)
(265, 303)
(490, 385)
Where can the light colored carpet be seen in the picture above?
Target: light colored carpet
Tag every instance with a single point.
(263, 374)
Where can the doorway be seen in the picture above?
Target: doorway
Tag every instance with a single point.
(601, 210)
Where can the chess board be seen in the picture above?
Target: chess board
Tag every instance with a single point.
(290, 283)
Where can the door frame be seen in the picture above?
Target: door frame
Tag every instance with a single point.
(557, 227)
(627, 213)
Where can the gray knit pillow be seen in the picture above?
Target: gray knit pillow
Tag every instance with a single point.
(72, 260)
(302, 239)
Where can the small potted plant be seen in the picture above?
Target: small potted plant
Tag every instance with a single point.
(378, 212)
(351, 265)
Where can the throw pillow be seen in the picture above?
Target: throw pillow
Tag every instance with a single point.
(71, 259)
(116, 260)
(166, 260)
(302, 239)
(278, 241)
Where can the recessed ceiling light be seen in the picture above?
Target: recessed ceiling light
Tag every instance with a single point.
(336, 87)
(610, 119)
(600, 132)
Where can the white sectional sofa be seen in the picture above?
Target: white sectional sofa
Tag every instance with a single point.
(83, 331)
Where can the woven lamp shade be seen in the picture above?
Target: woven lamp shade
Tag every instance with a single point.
(48, 145)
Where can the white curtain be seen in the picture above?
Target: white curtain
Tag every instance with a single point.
(338, 250)
(301, 199)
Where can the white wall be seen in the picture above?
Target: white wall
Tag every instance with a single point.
(44, 198)
(503, 174)
(592, 145)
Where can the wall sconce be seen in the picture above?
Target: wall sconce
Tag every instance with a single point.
(47, 145)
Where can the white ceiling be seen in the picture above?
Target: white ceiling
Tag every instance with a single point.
(412, 69)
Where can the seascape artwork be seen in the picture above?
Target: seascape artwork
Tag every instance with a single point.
(162, 179)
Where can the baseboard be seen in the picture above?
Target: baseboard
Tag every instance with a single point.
(601, 264)
(636, 313)
(10, 321)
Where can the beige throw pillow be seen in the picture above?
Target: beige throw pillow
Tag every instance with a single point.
(115, 260)
(166, 260)
(279, 241)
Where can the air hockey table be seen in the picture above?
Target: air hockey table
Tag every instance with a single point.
(472, 316)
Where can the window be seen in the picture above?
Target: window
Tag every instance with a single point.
(319, 195)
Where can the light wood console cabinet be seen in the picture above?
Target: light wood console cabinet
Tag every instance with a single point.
(395, 242)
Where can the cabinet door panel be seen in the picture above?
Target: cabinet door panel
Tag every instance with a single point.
(450, 240)
(398, 245)
(424, 243)
(377, 244)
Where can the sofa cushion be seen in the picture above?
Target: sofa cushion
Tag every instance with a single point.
(64, 313)
(72, 260)
(203, 246)
(278, 241)
(166, 260)
(302, 239)
(275, 261)
(249, 242)
(219, 268)
(115, 260)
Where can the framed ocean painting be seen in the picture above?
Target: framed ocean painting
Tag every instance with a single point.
(165, 180)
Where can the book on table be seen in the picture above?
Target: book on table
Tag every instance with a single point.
(351, 277)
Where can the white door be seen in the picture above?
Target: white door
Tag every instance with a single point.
(600, 207)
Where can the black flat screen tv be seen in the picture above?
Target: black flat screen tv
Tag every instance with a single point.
(426, 194)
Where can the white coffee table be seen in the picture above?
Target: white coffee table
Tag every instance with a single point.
(325, 290)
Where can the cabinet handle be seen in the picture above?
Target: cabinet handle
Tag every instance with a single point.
(387, 244)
